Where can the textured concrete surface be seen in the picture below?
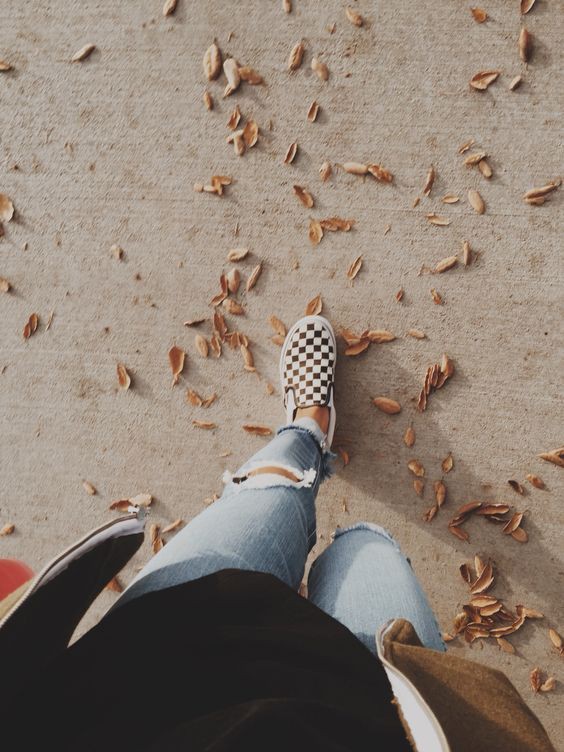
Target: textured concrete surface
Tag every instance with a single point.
(107, 151)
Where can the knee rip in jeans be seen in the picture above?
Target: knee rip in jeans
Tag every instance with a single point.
(366, 526)
(281, 475)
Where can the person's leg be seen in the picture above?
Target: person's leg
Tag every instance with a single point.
(264, 521)
(363, 580)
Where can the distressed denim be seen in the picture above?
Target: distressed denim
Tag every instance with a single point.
(266, 523)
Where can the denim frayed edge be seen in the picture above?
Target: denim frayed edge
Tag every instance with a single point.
(327, 456)
(367, 526)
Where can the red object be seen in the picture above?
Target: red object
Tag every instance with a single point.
(13, 573)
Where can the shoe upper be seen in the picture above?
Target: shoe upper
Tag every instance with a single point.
(308, 362)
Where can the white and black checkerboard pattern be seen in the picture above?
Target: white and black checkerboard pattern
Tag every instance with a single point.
(308, 364)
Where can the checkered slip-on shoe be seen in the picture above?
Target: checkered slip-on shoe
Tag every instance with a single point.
(307, 368)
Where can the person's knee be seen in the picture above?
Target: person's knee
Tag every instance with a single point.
(267, 474)
(367, 530)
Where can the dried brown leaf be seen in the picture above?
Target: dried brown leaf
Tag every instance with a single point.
(437, 298)
(83, 53)
(409, 436)
(173, 526)
(483, 581)
(555, 638)
(176, 357)
(476, 201)
(315, 306)
(520, 535)
(555, 456)
(485, 169)
(466, 253)
(250, 76)
(355, 168)
(208, 100)
(304, 195)
(418, 486)
(515, 83)
(380, 173)
(31, 326)
(459, 533)
(525, 45)
(6, 208)
(436, 219)
(416, 468)
(254, 277)
(237, 254)
(89, 488)
(535, 481)
(325, 171)
(548, 685)
(5, 285)
(233, 281)
(7, 529)
(535, 678)
(257, 429)
(278, 326)
(358, 347)
(313, 112)
(479, 15)
(233, 307)
(543, 191)
(336, 224)
(399, 295)
(445, 264)
(450, 198)
(296, 56)
(169, 7)
(124, 379)
(5, 66)
(387, 405)
(201, 345)
(205, 424)
(517, 487)
(354, 268)
(291, 153)
(231, 71)
(250, 133)
(526, 6)
(287, 6)
(440, 492)
(320, 69)
(483, 79)
(430, 179)
(353, 16)
(447, 464)
(505, 645)
(234, 118)
(416, 333)
(193, 398)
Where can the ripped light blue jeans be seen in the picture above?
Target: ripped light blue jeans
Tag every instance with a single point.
(266, 523)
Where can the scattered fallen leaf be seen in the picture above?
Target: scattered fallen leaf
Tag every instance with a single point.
(505, 645)
(450, 198)
(485, 169)
(436, 219)
(250, 133)
(233, 307)
(287, 6)
(445, 264)
(513, 523)
(515, 83)
(466, 253)
(399, 295)
(315, 306)
(313, 112)
(233, 281)
(6, 208)
(304, 195)
(535, 194)
(237, 254)
(358, 347)
(169, 7)
(31, 326)
(253, 277)
(250, 76)
(234, 118)
(5, 66)
(418, 486)
(479, 14)
(535, 481)
(409, 436)
(440, 492)
(555, 638)
(355, 168)
(525, 45)
(83, 53)
(315, 232)
(476, 201)
(176, 357)
(416, 468)
(325, 171)
(208, 100)
(202, 346)
(355, 18)
(257, 429)
(429, 181)
(437, 298)
(516, 486)
(296, 56)
(7, 529)
(416, 333)
(526, 5)
(447, 464)
(5, 285)
(520, 535)
(548, 685)
(535, 678)
(291, 153)
(231, 70)
(354, 268)
(483, 79)
(205, 424)
(380, 173)
(344, 456)
(278, 326)
(320, 69)
(124, 379)
(387, 405)
(89, 488)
